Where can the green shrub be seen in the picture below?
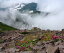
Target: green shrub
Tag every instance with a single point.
(1, 41)
(25, 33)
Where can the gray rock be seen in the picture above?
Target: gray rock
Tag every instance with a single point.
(37, 47)
(57, 43)
(26, 52)
(41, 51)
(39, 43)
(10, 50)
(17, 50)
(52, 49)
(0, 49)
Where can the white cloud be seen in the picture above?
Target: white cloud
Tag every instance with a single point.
(54, 21)
(7, 3)
(50, 5)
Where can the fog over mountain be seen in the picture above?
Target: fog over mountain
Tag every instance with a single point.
(23, 14)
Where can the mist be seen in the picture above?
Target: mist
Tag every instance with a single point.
(53, 21)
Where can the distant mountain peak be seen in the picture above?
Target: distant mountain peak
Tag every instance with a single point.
(29, 7)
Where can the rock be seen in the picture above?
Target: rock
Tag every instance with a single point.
(37, 47)
(63, 50)
(52, 43)
(3, 48)
(52, 49)
(17, 50)
(57, 43)
(0, 48)
(10, 50)
(26, 52)
(39, 43)
(43, 47)
(41, 51)
(61, 46)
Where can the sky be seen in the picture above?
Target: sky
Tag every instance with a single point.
(53, 21)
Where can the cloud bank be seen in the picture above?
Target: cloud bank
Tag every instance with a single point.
(53, 21)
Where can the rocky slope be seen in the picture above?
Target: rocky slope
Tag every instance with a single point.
(32, 41)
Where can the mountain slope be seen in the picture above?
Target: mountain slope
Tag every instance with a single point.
(30, 6)
(4, 27)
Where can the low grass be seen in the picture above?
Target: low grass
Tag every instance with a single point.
(4, 27)
(1, 40)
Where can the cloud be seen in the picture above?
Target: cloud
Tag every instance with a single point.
(50, 5)
(8, 3)
(54, 20)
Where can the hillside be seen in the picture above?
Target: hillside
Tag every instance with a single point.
(32, 41)
(4, 27)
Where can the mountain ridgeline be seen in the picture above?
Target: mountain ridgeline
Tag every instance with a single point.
(29, 7)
